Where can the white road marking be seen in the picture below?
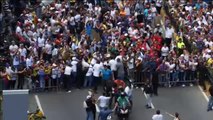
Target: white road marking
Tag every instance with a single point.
(204, 94)
(146, 98)
(38, 103)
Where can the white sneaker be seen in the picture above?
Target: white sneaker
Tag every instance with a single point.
(191, 84)
(69, 91)
(109, 117)
(183, 85)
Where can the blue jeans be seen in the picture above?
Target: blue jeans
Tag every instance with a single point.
(193, 75)
(162, 78)
(73, 77)
(42, 82)
(210, 103)
(175, 75)
(182, 76)
(90, 115)
(88, 81)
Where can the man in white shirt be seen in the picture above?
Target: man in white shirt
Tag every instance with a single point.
(103, 101)
(157, 116)
(112, 64)
(18, 29)
(96, 74)
(74, 63)
(29, 61)
(67, 76)
(23, 51)
(168, 35)
(89, 77)
(13, 48)
(130, 59)
(40, 42)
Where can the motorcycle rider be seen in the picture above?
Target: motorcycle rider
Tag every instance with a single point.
(122, 100)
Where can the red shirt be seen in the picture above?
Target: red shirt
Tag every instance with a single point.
(157, 38)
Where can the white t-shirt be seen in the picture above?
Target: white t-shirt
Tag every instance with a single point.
(48, 48)
(40, 42)
(169, 32)
(19, 30)
(74, 66)
(113, 64)
(67, 70)
(113, 13)
(8, 70)
(55, 52)
(29, 62)
(157, 117)
(131, 63)
(16, 60)
(164, 51)
(23, 52)
(90, 71)
(103, 101)
(171, 67)
(128, 91)
(93, 61)
(96, 70)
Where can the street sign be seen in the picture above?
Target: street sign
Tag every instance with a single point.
(15, 104)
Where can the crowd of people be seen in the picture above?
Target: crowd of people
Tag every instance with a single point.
(76, 45)
(195, 24)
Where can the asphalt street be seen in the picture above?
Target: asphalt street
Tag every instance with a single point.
(189, 102)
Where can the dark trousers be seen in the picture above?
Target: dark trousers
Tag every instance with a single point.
(54, 82)
(168, 41)
(11, 84)
(158, 9)
(67, 82)
(20, 82)
(80, 78)
(202, 80)
(96, 83)
(39, 52)
(115, 73)
(155, 88)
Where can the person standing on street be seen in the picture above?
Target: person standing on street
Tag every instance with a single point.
(210, 103)
(67, 77)
(157, 116)
(103, 101)
(97, 75)
(88, 104)
(155, 83)
(149, 91)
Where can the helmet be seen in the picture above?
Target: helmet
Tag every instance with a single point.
(122, 94)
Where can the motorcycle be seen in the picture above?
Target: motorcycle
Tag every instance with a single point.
(123, 112)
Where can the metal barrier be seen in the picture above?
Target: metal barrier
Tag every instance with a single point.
(166, 79)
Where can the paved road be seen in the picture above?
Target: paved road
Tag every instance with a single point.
(189, 102)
